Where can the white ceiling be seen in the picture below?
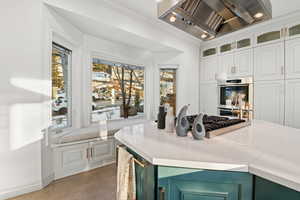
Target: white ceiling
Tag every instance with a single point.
(98, 29)
(149, 8)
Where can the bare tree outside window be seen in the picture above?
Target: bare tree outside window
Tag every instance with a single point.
(118, 90)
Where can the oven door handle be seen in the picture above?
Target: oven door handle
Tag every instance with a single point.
(234, 85)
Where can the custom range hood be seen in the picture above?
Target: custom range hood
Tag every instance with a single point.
(208, 19)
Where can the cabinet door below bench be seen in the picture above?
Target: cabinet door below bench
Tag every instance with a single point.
(192, 184)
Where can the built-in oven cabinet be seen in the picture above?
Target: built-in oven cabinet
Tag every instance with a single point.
(269, 62)
(237, 64)
(292, 106)
(269, 101)
(226, 64)
(292, 59)
(209, 98)
(243, 63)
(208, 69)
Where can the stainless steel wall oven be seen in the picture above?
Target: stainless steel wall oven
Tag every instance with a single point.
(236, 98)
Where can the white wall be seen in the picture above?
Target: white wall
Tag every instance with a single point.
(59, 30)
(25, 80)
(21, 96)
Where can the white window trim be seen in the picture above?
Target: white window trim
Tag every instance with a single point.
(88, 89)
(157, 90)
(61, 40)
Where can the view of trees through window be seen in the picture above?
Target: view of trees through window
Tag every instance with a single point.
(117, 90)
(168, 87)
(61, 61)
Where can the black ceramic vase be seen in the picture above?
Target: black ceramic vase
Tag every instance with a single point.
(161, 117)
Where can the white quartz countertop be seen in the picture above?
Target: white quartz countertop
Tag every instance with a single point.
(264, 149)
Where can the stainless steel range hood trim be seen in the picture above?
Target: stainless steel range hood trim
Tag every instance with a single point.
(213, 18)
(167, 6)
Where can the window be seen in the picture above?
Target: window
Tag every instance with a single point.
(168, 87)
(117, 90)
(61, 87)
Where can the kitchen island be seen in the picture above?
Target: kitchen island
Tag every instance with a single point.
(259, 162)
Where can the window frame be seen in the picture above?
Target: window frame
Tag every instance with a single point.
(113, 59)
(69, 85)
(168, 67)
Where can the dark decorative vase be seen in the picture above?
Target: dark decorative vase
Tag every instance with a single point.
(161, 117)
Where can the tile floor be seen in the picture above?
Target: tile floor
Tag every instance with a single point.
(98, 184)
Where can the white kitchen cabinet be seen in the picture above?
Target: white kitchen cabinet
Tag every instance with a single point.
(69, 160)
(292, 49)
(208, 98)
(293, 30)
(102, 152)
(269, 62)
(269, 35)
(237, 64)
(243, 62)
(269, 101)
(75, 158)
(292, 105)
(208, 69)
(226, 64)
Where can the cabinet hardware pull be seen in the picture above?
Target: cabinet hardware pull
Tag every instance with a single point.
(92, 152)
(87, 153)
(282, 69)
(161, 193)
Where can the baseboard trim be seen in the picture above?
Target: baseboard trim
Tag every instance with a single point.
(16, 191)
(47, 180)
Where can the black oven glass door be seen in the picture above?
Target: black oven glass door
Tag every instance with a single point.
(231, 92)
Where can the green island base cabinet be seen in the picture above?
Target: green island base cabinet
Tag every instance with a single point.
(194, 184)
(172, 183)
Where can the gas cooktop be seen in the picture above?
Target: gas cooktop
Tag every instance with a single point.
(216, 125)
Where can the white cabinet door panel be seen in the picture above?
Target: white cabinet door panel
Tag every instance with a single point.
(269, 62)
(102, 152)
(226, 64)
(209, 68)
(293, 59)
(269, 101)
(208, 98)
(292, 103)
(243, 61)
(70, 160)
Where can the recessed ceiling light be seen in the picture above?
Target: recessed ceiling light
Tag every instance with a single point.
(258, 15)
(172, 18)
(203, 36)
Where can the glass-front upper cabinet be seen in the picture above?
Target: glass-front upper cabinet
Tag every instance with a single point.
(272, 35)
(293, 31)
(209, 52)
(243, 43)
(227, 47)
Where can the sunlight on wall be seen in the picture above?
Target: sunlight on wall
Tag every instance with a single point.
(25, 125)
(27, 120)
(34, 85)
